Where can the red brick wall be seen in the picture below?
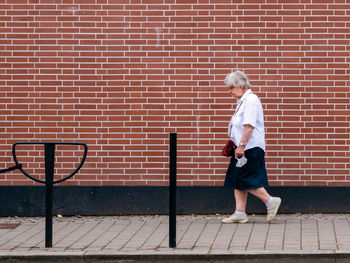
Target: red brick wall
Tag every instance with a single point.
(121, 75)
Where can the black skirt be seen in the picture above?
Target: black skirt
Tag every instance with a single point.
(252, 175)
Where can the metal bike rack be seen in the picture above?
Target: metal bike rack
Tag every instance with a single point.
(10, 169)
(49, 177)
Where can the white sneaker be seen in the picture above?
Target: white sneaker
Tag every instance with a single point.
(234, 218)
(273, 208)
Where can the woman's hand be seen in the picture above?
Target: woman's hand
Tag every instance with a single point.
(247, 133)
(239, 152)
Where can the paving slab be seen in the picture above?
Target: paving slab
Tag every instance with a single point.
(293, 238)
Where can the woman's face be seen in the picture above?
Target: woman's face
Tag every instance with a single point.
(237, 92)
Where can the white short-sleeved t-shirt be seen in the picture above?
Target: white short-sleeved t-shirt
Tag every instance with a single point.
(248, 111)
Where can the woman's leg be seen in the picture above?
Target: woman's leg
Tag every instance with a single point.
(272, 203)
(241, 200)
(260, 193)
(239, 216)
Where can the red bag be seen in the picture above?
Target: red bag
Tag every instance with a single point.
(229, 149)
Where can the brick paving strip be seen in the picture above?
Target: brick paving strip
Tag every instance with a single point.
(325, 235)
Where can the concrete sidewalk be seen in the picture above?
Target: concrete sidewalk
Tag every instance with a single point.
(293, 238)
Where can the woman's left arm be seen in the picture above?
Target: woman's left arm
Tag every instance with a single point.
(247, 133)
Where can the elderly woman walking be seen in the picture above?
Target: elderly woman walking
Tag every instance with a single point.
(247, 172)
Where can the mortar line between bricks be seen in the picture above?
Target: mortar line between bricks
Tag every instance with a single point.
(301, 234)
(199, 236)
(88, 233)
(335, 236)
(267, 234)
(250, 236)
(217, 233)
(157, 247)
(151, 234)
(234, 232)
(116, 235)
(284, 234)
(178, 242)
(138, 230)
(318, 235)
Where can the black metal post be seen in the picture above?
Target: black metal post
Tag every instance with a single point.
(49, 172)
(172, 191)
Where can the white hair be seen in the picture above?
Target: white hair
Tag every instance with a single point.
(237, 79)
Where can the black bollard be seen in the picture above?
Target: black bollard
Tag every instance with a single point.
(49, 171)
(172, 191)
